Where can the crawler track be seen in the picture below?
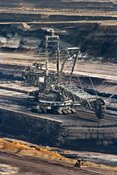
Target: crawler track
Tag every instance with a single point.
(22, 99)
(80, 119)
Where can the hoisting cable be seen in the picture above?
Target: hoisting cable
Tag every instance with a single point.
(93, 86)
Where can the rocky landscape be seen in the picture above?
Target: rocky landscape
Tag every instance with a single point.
(92, 27)
(22, 158)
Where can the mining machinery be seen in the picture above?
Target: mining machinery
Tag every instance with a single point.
(56, 94)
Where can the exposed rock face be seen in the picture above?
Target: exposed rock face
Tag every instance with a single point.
(95, 39)
(26, 127)
(80, 133)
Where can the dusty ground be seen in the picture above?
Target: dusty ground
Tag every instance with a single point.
(32, 166)
(95, 69)
(20, 158)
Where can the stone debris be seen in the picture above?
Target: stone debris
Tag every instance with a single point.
(8, 169)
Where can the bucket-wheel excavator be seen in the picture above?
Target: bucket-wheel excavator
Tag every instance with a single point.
(56, 94)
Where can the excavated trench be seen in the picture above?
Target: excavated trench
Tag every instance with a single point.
(81, 131)
(68, 132)
(97, 41)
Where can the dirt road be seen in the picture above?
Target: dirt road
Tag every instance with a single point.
(98, 70)
(32, 166)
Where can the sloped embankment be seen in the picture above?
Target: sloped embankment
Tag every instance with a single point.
(25, 149)
(98, 40)
(19, 152)
(35, 129)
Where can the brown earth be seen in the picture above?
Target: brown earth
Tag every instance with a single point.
(33, 162)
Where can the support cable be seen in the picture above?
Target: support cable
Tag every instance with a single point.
(93, 87)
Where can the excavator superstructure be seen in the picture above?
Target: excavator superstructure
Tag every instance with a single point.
(55, 94)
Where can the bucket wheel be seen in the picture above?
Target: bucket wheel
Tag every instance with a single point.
(99, 108)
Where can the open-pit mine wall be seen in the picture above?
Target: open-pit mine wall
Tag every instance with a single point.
(28, 127)
(94, 39)
(81, 4)
(41, 130)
